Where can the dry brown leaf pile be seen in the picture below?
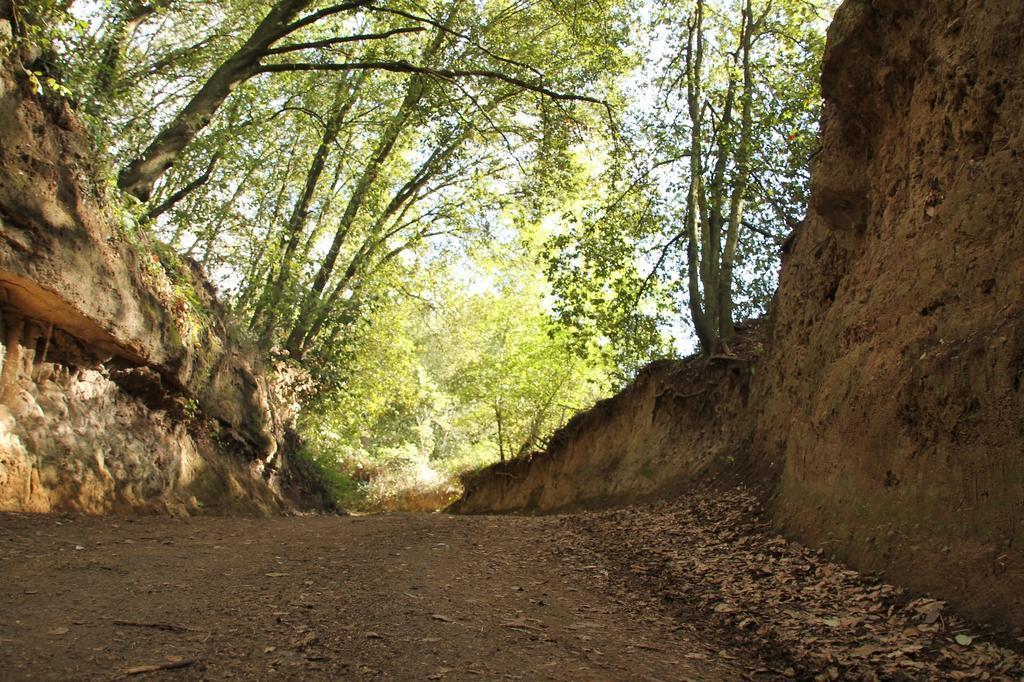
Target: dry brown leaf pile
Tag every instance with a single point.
(709, 557)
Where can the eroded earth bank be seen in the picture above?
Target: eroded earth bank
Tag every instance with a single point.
(123, 386)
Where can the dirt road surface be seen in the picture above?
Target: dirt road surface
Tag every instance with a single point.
(696, 589)
(425, 597)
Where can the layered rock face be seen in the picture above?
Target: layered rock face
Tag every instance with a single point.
(890, 395)
(120, 385)
(892, 390)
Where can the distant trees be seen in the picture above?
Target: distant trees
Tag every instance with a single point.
(461, 379)
(513, 372)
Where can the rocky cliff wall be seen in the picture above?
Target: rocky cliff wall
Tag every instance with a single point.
(892, 388)
(120, 387)
(890, 394)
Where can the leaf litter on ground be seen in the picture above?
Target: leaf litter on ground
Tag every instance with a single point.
(709, 558)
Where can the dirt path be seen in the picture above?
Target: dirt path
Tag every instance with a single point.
(697, 588)
(392, 597)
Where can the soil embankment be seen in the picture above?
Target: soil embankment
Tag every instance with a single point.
(888, 399)
(121, 386)
(891, 390)
(650, 441)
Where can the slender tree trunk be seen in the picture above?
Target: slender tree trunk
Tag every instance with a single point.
(358, 270)
(178, 196)
(296, 226)
(119, 35)
(276, 283)
(501, 431)
(378, 235)
(415, 90)
(702, 212)
(362, 188)
(141, 174)
(333, 193)
(696, 248)
(716, 216)
(741, 182)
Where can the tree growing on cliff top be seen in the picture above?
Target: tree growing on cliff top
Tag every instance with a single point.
(712, 173)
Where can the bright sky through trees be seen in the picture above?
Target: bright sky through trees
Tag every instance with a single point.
(453, 223)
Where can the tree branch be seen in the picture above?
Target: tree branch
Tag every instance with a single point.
(462, 36)
(321, 14)
(763, 232)
(444, 74)
(343, 39)
(657, 266)
(173, 200)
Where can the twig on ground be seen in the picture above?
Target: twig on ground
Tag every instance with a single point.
(143, 669)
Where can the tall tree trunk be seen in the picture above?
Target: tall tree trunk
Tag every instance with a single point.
(696, 247)
(378, 234)
(705, 227)
(740, 183)
(295, 228)
(364, 184)
(415, 90)
(141, 174)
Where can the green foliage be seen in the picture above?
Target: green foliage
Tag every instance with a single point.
(345, 490)
(40, 83)
(622, 262)
(422, 206)
(170, 279)
(594, 268)
(473, 371)
(191, 408)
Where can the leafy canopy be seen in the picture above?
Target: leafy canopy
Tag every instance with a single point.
(460, 221)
